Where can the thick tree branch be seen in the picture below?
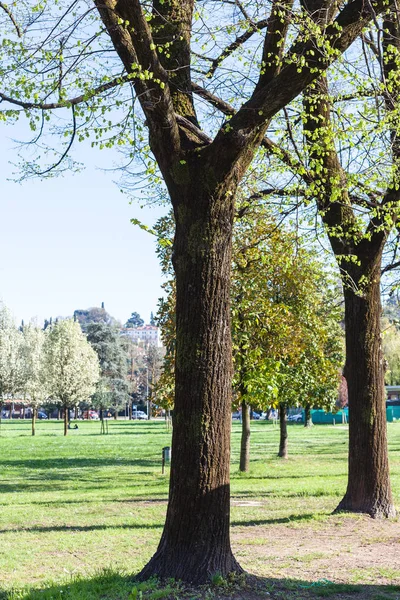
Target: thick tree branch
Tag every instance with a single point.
(305, 61)
(272, 147)
(11, 17)
(132, 39)
(171, 30)
(274, 43)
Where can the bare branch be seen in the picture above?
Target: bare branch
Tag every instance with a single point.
(239, 41)
(131, 35)
(71, 101)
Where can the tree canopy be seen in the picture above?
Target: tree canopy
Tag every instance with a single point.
(72, 366)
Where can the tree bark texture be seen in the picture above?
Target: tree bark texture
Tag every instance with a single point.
(195, 543)
(368, 489)
(245, 440)
(283, 440)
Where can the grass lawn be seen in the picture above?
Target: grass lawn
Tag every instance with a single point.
(80, 515)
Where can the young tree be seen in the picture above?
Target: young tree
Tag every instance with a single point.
(153, 361)
(391, 351)
(202, 174)
(72, 366)
(111, 352)
(34, 375)
(287, 341)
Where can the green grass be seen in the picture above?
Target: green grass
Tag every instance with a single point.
(87, 511)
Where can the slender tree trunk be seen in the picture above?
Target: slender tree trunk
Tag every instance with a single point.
(368, 489)
(307, 419)
(115, 414)
(66, 415)
(245, 441)
(283, 444)
(58, 414)
(34, 413)
(195, 543)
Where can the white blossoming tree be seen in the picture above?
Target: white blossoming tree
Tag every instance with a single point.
(35, 386)
(71, 364)
(10, 356)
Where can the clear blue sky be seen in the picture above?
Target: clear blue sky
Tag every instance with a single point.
(68, 243)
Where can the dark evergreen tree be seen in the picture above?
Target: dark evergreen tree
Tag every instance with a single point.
(134, 320)
(109, 346)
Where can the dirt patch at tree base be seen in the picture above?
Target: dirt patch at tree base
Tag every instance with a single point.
(341, 556)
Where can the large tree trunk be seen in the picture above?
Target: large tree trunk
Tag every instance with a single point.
(195, 543)
(283, 443)
(368, 489)
(34, 413)
(245, 441)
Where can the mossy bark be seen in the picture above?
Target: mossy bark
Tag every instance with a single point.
(195, 543)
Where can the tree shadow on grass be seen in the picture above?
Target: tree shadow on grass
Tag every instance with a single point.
(82, 528)
(157, 498)
(53, 464)
(112, 585)
(277, 521)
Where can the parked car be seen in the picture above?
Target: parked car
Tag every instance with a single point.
(90, 414)
(237, 415)
(139, 414)
(296, 418)
(42, 415)
(256, 416)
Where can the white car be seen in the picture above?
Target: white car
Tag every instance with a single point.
(139, 414)
(296, 418)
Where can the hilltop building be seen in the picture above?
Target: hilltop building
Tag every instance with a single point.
(146, 334)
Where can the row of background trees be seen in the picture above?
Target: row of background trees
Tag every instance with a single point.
(82, 362)
(287, 322)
